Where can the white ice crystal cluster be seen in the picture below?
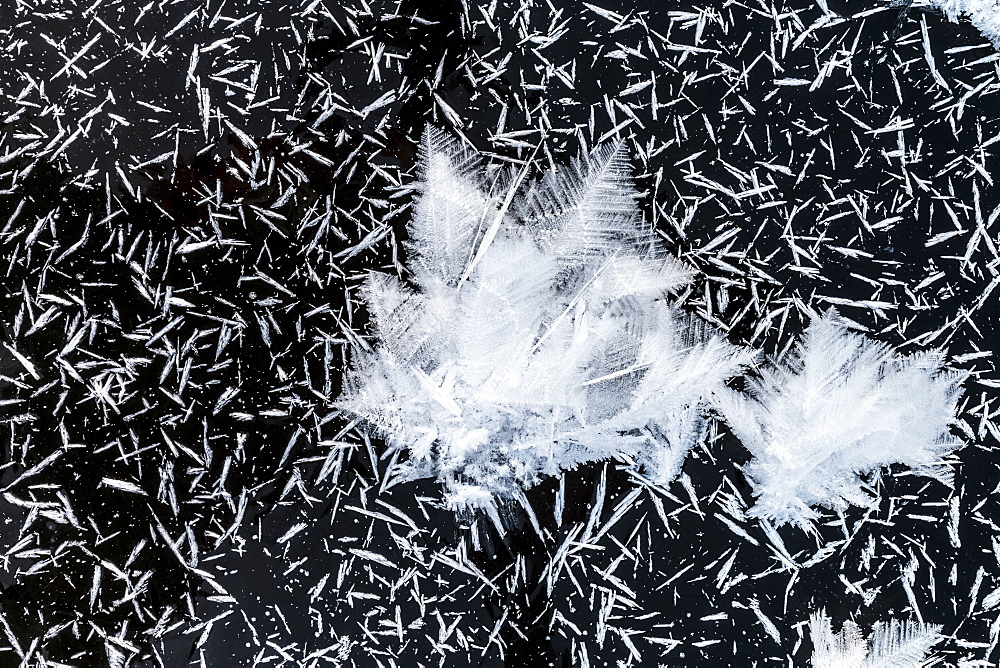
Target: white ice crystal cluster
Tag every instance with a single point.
(535, 332)
(892, 644)
(837, 407)
(983, 14)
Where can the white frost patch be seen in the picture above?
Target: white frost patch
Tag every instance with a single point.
(984, 14)
(535, 336)
(838, 407)
(892, 644)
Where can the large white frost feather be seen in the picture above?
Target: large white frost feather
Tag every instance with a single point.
(535, 336)
(838, 407)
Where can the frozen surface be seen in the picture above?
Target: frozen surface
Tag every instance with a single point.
(194, 193)
(536, 333)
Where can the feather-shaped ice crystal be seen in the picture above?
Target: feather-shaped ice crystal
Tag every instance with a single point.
(983, 14)
(535, 335)
(838, 407)
(892, 644)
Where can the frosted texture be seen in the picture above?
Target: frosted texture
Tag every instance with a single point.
(535, 335)
(836, 408)
(984, 14)
(892, 644)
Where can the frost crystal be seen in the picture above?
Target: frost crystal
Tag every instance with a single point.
(840, 406)
(535, 336)
(893, 644)
(983, 14)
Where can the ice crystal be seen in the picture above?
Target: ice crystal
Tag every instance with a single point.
(536, 334)
(892, 644)
(983, 14)
(838, 407)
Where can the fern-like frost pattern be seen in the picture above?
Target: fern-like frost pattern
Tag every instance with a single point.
(559, 347)
(839, 407)
(892, 644)
(536, 332)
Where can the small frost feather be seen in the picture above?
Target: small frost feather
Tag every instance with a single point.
(839, 407)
